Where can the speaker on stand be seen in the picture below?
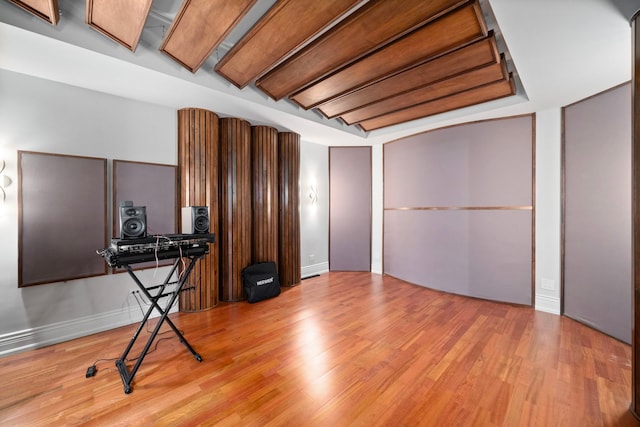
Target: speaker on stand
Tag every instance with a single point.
(133, 221)
(195, 220)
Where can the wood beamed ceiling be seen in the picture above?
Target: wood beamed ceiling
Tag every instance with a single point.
(370, 64)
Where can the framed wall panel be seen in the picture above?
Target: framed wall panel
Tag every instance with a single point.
(62, 217)
(458, 209)
(596, 237)
(151, 185)
(350, 208)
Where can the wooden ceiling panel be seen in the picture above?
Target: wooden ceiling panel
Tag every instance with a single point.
(455, 29)
(478, 54)
(43, 9)
(120, 20)
(199, 27)
(288, 26)
(372, 26)
(447, 87)
(471, 97)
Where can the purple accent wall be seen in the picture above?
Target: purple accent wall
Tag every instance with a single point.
(479, 164)
(486, 253)
(597, 273)
(350, 209)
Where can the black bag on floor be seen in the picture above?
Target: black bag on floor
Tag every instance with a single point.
(261, 281)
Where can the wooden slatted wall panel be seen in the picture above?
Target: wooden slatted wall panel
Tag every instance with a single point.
(235, 203)
(289, 268)
(264, 141)
(198, 162)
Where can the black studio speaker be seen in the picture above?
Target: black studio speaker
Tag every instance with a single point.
(195, 220)
(133, 221)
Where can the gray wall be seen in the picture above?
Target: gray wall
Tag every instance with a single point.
(458, 209)
(40, 115)
(597, 274)
(314, 214)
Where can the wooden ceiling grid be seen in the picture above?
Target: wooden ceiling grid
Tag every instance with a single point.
(199, 27)
(426, 42)
(369, 28)
(478, 54)
(286, 27)
(367, 63)
(43, 9)
(120, 20)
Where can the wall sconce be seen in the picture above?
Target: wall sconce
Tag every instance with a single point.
(5, 181)
(313, 194)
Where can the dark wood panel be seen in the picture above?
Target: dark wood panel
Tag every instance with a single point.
(478, 54)
(199, 27)
(199, 170)
(443, 35)
(288, 26)
(120, 20)
(371, 27)
(289, 265)
(460, 83)
(464, 99)
(44, 9)
(264, 142)
(235, 207)
(342, 349)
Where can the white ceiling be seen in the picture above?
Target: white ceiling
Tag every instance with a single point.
(563, 51)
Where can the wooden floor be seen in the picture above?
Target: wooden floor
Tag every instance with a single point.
(341, 349)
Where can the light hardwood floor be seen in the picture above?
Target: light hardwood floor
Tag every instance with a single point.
(341, 349)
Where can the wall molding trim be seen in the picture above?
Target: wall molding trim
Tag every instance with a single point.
(548, 304)
(315, 269)
(54, 333)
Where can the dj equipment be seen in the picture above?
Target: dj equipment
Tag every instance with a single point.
(125, 252)
(133, 221)
(195, 219)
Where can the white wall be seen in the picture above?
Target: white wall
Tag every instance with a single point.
(314, 215)
(39, 115)
(548, 209)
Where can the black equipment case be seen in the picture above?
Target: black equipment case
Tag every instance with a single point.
(261, 281)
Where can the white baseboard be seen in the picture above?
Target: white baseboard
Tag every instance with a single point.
(315, 269)
(548, 304)
(41, 336)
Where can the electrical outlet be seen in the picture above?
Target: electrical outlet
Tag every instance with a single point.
(312, 258)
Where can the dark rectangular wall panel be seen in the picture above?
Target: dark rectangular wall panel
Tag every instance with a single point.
(597, 279)
(151, 185)
(62, 218)
(459, 209)
(350, 208)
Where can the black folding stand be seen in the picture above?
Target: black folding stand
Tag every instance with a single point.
(124, 252)
(125, 374)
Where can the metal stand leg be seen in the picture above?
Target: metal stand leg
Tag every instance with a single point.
(126, 375)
